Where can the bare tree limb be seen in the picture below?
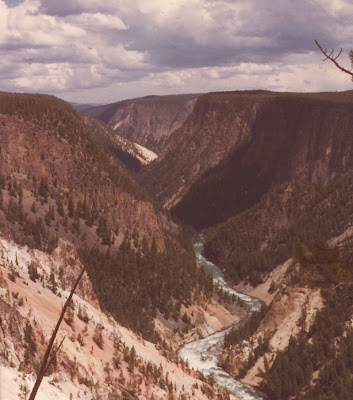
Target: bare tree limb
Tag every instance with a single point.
(332, 58)
(54, 355)
(45, 364)
(338, 54)
(328, 55)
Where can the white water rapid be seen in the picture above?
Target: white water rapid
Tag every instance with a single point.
(203, 355)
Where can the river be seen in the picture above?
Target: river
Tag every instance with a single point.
(203, 354)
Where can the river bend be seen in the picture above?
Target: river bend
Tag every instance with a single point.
(203, 354)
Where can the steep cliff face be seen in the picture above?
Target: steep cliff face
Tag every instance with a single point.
(292, 137)
(219, 123)
(222, 151)
(147, 121)
(300, 157)
(298, 135)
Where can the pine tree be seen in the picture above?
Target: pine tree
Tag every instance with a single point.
(71, 207)
(43, 189)
(29, 338)
(98, 337)
(60, 208)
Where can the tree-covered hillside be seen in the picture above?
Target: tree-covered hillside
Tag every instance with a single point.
(57, 182)
(134, 285)
(252, 243)
(317, 365)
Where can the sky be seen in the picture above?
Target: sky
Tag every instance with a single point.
(94, 51)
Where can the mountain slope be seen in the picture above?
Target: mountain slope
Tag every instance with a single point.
(57, 182)
(218, 123)
(131, 154)
(147, 121)
(49, 159)
(82, 107)
(98, 358)
(302, 342)
(292, 137)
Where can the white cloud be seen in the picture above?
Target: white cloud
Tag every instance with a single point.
(126, 48)
(23, 28)
(118, 56)
(97, 22)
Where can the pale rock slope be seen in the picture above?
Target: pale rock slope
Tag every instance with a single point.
(98, 359)
(145, 155)
(291, 308)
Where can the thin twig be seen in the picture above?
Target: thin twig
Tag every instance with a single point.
(338, 54)
(333, 59)
(328, 55)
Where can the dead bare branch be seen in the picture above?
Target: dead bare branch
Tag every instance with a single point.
(328, 55)
(44, 364)
(333, 58)
(338, 54)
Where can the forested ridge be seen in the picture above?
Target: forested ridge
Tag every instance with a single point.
(57, 117)
(51, 191)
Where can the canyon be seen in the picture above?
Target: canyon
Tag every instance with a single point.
(260, 172)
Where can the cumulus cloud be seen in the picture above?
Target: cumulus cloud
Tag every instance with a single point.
(97, 22)
(126, 48)
(72, 7)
